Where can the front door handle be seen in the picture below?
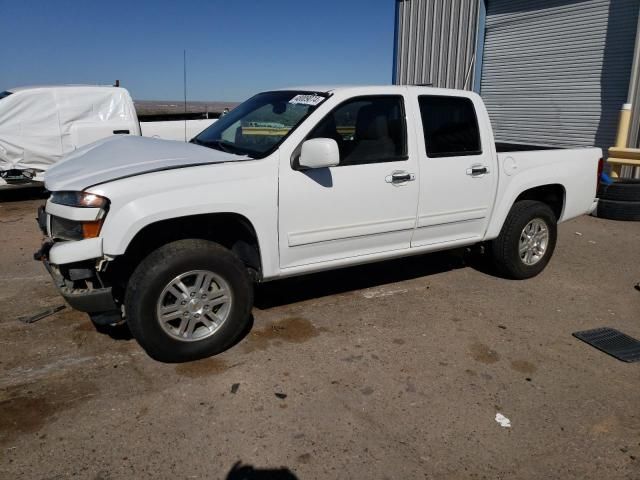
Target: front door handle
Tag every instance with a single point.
(477, 170)
(400, 177)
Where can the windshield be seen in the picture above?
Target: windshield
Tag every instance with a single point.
(257, 126)
(4, 94)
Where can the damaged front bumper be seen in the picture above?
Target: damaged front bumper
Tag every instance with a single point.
(79, 284)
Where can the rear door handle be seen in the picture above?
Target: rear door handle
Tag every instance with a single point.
(477, 170)
(400, 176)
(121, 132)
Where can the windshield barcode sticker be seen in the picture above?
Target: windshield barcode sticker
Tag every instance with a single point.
(307, 100)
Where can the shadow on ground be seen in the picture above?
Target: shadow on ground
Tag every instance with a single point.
(23, 194)
(317, 285)
(119, 331)
(247, 472)
(297, 289)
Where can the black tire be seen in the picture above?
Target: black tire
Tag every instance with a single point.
(625, 190)
(505, 248)
(615, 210)
(157, 270)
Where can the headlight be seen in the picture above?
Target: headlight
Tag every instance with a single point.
(79, 199)
(66, 229)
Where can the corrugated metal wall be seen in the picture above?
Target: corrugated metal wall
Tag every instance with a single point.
(556, 72)
(634, 95)
(436, 42)
(634, 99)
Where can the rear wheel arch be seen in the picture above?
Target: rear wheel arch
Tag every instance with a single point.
(553, 195)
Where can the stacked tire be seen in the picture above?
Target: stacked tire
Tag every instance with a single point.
(619, 200)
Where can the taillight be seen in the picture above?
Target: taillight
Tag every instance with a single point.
(600, 169)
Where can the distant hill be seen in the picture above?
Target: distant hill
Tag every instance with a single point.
(173, 108)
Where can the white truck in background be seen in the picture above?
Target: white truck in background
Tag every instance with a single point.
(40, 125)
(170, 236)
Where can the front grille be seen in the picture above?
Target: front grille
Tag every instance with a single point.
(64, 229)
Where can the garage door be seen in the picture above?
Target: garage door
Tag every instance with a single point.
(556, 72)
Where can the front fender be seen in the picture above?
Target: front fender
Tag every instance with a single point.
(140, 201)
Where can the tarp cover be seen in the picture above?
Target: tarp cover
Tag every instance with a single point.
(37, 123)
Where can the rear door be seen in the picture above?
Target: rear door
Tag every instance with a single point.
(458, 172)
(366, 204)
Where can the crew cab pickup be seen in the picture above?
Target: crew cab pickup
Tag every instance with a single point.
(170, 237)
(40, 125)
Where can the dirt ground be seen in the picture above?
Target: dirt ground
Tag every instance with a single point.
(393, 370)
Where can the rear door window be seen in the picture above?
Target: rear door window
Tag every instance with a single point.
(450, 126)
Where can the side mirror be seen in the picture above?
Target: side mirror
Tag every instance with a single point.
(319, 153)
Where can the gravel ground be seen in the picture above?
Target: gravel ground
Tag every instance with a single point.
(392, 370)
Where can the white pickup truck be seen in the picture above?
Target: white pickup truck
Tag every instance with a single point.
(39, 125)
(170, 237)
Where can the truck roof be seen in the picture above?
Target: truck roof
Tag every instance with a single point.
(336, 88)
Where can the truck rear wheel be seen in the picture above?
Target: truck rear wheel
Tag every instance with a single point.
(188, 299)
(527, 240)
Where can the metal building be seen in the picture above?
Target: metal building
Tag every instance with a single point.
(436, 42)
(551, 72)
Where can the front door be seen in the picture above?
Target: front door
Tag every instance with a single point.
(366, 204)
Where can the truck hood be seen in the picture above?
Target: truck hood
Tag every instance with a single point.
(120, 157)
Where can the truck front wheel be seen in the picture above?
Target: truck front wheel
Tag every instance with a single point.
(527, 240)
(188, 299)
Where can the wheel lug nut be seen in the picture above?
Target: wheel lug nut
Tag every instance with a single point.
(185, 314)
(183, 302)
(193, 294)
(197, 315)
(204, 296)
(206, 307)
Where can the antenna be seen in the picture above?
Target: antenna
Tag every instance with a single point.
(184, 64)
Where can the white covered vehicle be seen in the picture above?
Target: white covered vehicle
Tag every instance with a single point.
(40, 125)
(170, 237)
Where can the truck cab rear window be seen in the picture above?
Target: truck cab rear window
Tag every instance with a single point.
(450, 126)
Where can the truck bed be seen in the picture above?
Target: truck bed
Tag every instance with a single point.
(504, 147)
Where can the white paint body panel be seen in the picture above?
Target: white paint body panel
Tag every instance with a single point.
(119, 157)
(175, 129)
(68, 252)
(574, 169)
(453, 205)
(248, 188)
(330, 217)
(344, 211)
